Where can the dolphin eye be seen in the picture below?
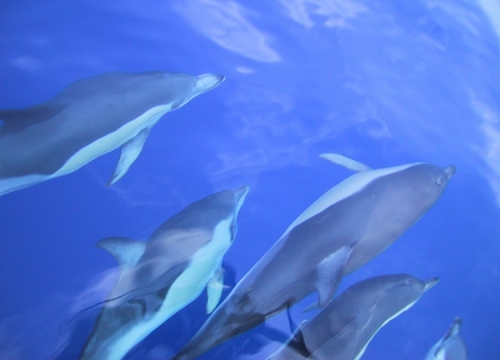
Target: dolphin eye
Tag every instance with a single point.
(441, 180)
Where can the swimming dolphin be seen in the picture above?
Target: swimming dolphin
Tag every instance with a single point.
(451, 346)
(343, 329)
(164, 274)
(89, 118)
(344, 229)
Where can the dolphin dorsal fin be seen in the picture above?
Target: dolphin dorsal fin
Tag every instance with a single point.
(126, 251)
(346, 162)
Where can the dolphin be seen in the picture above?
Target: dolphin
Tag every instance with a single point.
(89, 118)
(344, 328)
(162, 275)
(450, 346)
(344, 229)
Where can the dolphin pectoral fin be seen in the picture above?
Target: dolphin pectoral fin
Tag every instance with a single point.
(130, 151)
(126, 251)
(329, 274)
(346, 162)
(214, 290)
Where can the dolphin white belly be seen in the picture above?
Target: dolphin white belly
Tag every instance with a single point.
(92, 151)
(112, 140)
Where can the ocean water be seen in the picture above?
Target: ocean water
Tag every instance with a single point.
(385, 82)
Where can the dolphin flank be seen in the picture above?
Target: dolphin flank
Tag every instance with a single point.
(165, 273)
(89, 118)
(344, 229)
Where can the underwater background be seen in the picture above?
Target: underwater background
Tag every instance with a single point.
(383, 82)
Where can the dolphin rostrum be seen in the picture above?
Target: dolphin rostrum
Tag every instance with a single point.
(450, 346)
(343, 329)
(162, 275)
(89, 118)
(344, 229)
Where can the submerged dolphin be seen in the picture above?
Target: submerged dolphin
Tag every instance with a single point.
(451, 346)
(343, 329)
(87, 119)
(164, 274)
(343, 230)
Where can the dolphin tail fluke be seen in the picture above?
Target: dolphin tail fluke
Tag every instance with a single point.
(130, 151)
(346, 162)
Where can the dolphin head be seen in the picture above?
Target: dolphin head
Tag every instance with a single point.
(417, 286)
(174, 89)
(432, 179)
(413, 190)
(403, 290)
(227, 203)
(204, 83)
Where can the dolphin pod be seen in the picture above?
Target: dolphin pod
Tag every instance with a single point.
(344, 229)
(340, 232)
(165, 273)
(344, 328)
(89, 118)
(450, 346)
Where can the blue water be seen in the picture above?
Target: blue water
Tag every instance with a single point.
(384, 82)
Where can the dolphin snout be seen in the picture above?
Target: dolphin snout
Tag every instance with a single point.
(208, 81)
(240, 195)
(430, 283)
(242, 191)
(449, 170)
